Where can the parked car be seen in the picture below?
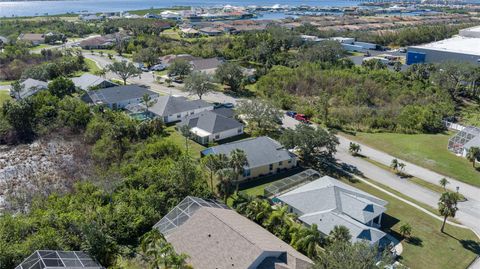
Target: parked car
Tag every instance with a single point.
(291, 114)
(217, 105)
(402, 50)
(228, 105)
(158, 67)
(302, 118)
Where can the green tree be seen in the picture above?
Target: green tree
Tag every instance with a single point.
(261, 117)
(230, 74)
(312, 144)
(212, 163)
(405, 230)
(374, 64)
(61, 87)
(147, 55)
(156, 250)
(16, 88)
(279, 221)
(394, 164)
(180, 68)
(354, 148)
(224, 186)
(444, 182)
(199, 83)
(339, 233)
(308, 241)
(124, 70)
(238, 160)
(447, 206)
(147, 102)
(20, 115)
(473, 155)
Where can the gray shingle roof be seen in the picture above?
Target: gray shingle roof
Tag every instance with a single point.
(211, 122)
(205, 64)
(260, 151)
(87, 81)
(30, 87)
(170, 105)
(226, 112)
(118, 94)
(215, 237)
(328, 202)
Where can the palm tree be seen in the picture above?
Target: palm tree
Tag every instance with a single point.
(156, 249)
(473, 154)
(339, 233)
(401, 166)
(444, 182)
(279, 220)
(210, 162)
(447, 206)
(394, 164)
(238, 160)
(354, 148)
(241, 202)
(405, 230)
(179, 261)
(309, 241)
(224, 186)
(258, 210)
(147, 102)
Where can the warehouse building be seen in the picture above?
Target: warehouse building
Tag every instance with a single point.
(462, 48)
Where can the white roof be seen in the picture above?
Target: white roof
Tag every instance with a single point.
(458, 44)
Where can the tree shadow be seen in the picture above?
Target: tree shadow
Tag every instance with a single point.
(471, 245)
(415, 240)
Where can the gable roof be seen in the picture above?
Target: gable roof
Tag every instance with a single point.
(118, 94)
(210, 122)
(88, 80)
(260, 151)
(205, 64)
(328, 202)
(215, 236)
(32, 37)
(30, 87)
(170, 105)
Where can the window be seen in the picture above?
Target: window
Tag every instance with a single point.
(239, 130)
(271, 167)
(280, 163)
(217, 136)
(246, 172)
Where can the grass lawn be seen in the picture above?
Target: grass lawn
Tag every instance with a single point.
(92, 66)
(427, 150)
(428, 248)
(193, 147)
(4, 96)
(6, 82)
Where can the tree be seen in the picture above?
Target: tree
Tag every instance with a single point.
(241, 202)
(354, 148)
(312, 144)
(61, 87)
(185, 131)
(180, 68)
(16, 88)
(224, 186)
(394, 164)
(212, 163)
(278, 222)
(444, 182)
(159, 253)
(339, 233)
(20, 115)
(326, 51)
(199, 83)
(397, 66)
(308, 240)
(374, 64)
(261, 117)
(473, 155)
(401, 166)
(147, 55)
(238, 160)
(147, 102)
(405, 230)
(359, 255)
(447, 206)
(230, 74)
(124, 70)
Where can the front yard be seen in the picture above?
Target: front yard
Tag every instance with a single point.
(427, 150)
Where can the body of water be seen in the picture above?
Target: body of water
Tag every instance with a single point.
(36, 8)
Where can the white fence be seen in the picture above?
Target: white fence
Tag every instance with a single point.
(453, 126)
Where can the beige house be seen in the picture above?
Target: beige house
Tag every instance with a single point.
(265, 156)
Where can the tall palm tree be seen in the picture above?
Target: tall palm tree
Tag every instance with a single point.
(447, 206)
(444, 182)
(394, 164)
(473, 154)
(279, 219)
(156, 249)
(210, 162)
(241, 202)
(259, 210)
(340, 233)
(224, 186)
(309, 241)
(238, 160)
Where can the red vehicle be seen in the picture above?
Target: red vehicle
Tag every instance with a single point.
(302, 118)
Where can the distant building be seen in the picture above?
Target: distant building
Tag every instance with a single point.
(189, 32)
(211, 31)
(29, 87)
(214, 236)
(265, 156)
(208, 66)
(118, 97)
(3, 41)
(462, 48)
(91, 17)
(57, 259)
(327, 202)
(167, 60)
(34, 39)
(99, 42)
(209, 126)
(171, 109)
(88, 81)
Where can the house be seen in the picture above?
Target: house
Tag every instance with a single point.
(214, 236)
(208, 126)
(88, 81)
(91, 17)
(327, 202)
(208, 65)
(29, 87)
(34, 39)
(189, 32)
(98, 42)
(167, 60)
(57, 259)
(118, 97)
(210, 31)
(3, 41)
(465, 139)
(172, 108)
(152, 16)
(265, 156)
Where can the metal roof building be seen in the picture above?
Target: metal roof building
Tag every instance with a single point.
(53, 259)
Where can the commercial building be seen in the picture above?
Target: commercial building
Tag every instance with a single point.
(462, 48)
(327, 202)
(214, 236)
(265, 156)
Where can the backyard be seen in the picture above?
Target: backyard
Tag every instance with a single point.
(427, 150)
(428, 247)
(4, 96)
